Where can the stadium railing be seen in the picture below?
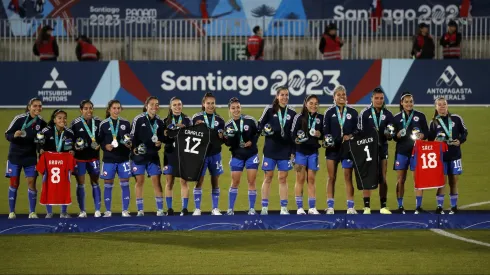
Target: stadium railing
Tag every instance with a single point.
(224, 39)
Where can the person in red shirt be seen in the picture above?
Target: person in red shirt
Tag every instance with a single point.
(255, 45)
(85, 50)
(451, 42)
(331, 43)
(46, 46)
(423, 46)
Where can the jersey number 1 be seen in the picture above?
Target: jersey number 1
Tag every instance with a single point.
(366, 149)
(193, 149)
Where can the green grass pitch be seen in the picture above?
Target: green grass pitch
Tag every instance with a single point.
(474, 183)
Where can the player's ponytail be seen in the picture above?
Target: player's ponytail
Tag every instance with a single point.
(148, 99)
(275, 102)
(206, 96)
(30, 103)
(109, 106)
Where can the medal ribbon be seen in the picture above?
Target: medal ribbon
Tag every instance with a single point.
(311, 122)
(114, 131)
(241, 128)
(282, 119)
(341, 118)
(58, 140)
(406, 123)
(179, 121)
(205, 115)
(154, 126)
(90, 133)
(25, 125)
(449, 132)
(375, 119)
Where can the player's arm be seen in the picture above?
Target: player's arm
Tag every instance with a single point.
(326, 124)
(135, 128)
(10, 133)
(463, 132)
(264, 118)
(353, 126)
(295, 127)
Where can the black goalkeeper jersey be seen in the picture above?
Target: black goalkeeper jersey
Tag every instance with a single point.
(191, 144)
(364, 151)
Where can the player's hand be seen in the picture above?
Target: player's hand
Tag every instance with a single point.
(165, 132)
(399, 135)
(456, 142)
(420, 136)
(347, 137)
(180, 125)
(41, 151)
(71, 152)
(220, 135)
(199, 122)
(127, 146)
(317, 134)
(18, 133)
(109, 147)
(248, 144)
(158, 143)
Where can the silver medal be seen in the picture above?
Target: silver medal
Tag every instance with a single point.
(312, 132)
(94, 145)
(114, 143)
(403, 132)
(154, 138)
(23, 133)
(282, 132)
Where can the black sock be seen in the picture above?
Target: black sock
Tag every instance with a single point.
(383, 202)
(367, 202)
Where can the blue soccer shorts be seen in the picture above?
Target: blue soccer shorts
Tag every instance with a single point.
(89, 167)
(213, 164)
(109, 170)
(151, 168)
(309, 161)
(251, 163)
(13, 170)
(269, 164)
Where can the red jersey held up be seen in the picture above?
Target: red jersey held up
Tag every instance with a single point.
(429, 165)
(56, 169)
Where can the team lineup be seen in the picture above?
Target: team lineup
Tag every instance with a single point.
(192, 145)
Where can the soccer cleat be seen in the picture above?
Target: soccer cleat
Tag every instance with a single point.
(300, 211)
(384, 210)
(184, 212)
(454, 210)
(252, 212)
(170, 212)
(125, 214)
(439, 210)
(401, 210)
(49, 216)
(82, 214)
(65, 216)
(367, 211)
(284, 211)
(419, 210)
(160, 213)
(107, 214)
(197, 212)
(33, 215)
(216, 212)
(330, 211)
(12, 216)
(313, 211)
(141, 213)
(265, 211)
(230, 212)
(351, 211)
(97, 214)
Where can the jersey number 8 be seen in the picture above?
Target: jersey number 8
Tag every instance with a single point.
(55, 175)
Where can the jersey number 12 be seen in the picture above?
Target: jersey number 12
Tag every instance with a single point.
(188, 144)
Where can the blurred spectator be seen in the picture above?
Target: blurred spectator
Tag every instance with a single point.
(451, 41)
(255, 45)
(423, 45)
(330, 43)
(46, 47)
(85, 51)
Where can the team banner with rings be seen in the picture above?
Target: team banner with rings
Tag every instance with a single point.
(67, 83)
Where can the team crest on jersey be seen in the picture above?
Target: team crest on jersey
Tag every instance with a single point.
(454, 124)
(123, 127)
(383, 117)
(38, 127)
(216, 123)
(348, 116)
(288, 117)
(415, 118)
(245, 127)
(317, 121)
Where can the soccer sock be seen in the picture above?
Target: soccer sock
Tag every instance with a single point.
(14, 185)
(49, 209)
(382, 202)
(367, 202)
(215, 197)
(440, 200)
(252, 197)
(169, 202)
(126, 194)
(299, 201)
(64, 209)
(284, 203)
(265, 202)
(108, 196)
(139, 204)
(418, 201)
(454, 200)
(96, 195)
(330, 203)
(185, 202)
(311, 202)
(81, 196)
(233, 193)
(159, 201)
(197, 197)
(32, 200)
(12, 198)
(400, 202)
(350, 204)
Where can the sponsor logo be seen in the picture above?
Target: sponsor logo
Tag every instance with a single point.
(450, 86)
(55, 89)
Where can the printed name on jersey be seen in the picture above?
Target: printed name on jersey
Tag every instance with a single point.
(194, 133)
(365, 141)
(55, 162)
(427, 148)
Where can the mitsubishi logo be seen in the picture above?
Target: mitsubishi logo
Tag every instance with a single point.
(449, 76)
(59, 83)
